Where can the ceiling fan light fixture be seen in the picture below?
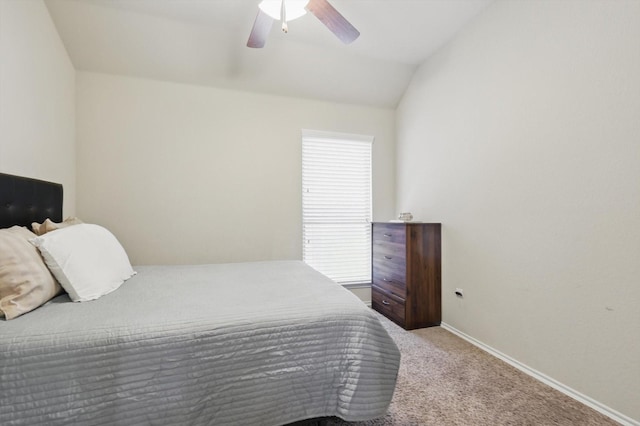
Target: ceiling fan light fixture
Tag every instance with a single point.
(286, 10)
(273, 8)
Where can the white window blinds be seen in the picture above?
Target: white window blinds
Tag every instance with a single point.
(336, 205)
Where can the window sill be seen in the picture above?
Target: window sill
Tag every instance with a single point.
(356, 285)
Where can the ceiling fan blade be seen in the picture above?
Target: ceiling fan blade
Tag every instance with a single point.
(260, 31)
(333, 20)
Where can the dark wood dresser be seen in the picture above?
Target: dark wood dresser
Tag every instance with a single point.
(406, 285)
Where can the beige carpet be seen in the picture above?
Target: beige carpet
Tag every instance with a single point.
(444, 380)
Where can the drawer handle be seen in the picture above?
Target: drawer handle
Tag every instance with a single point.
(386, 280)
(384, 302)
(387, 235)
(388, 257)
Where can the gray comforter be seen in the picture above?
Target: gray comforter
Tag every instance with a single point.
(263, 343)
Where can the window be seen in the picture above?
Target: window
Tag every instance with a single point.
(336, 205)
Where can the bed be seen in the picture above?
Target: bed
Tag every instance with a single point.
(261, 343)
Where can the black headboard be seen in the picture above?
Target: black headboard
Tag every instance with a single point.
(24, 200)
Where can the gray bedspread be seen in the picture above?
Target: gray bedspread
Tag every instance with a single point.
(264, 343)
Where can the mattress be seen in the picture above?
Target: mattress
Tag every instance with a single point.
(264, 343)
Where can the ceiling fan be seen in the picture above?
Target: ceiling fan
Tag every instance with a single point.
(287, 10)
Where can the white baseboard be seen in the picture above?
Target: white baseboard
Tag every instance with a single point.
(590, 402)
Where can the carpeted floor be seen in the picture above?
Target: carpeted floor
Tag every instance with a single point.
(444, 380)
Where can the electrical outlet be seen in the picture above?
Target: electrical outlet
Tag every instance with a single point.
(459, 292)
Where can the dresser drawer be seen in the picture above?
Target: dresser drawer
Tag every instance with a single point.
(392, 278)
(384, 233)
(389, 254)
(388, 305)
(389, 259)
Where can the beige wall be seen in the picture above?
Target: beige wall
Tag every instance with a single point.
(522, 136)
(187, 174)
(37, 100)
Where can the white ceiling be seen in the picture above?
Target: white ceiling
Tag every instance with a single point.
(203, 42)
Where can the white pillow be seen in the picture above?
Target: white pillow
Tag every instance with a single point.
(87, 260)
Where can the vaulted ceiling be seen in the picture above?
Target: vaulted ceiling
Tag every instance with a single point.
(203, 42)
